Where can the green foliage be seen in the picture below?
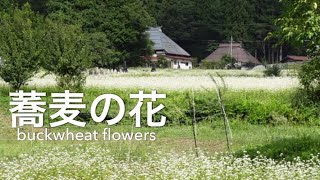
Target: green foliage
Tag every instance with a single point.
(226, 62)
(252, 107)
(272, 70)
(205, 64)
(195, 24)
(301, 23)
(310, 79)
(66, 54)
(163, 62)
(287, 149)
(19, 49)
(102, 52)
(7, 5)
(39, 6)
(238, 17)
(119, 24)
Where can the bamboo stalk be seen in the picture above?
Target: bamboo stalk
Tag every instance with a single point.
(194, 124)
(222, 109)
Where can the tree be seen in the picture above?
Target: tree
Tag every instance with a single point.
(39, 6)
(65, 54)
(103, 53)
(301, 25)
(7, 5)
(238, 18)
(310, 79)
(123, 23)
(19, 46)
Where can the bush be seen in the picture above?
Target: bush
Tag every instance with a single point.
(208, 65)
(162, 62)
(272, 70)
(310, 79)
(226, 62)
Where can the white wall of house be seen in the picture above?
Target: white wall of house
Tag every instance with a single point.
(181, 64)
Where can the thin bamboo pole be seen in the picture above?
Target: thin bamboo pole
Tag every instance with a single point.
(194, 124)
(222, 109)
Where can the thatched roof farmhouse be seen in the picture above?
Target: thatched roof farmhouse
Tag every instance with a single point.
(163, 45)
(240, 54)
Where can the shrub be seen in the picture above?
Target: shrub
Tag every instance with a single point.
(310, 79)
(162, 62)
(272, 70)
(226, 62)
(208, 65)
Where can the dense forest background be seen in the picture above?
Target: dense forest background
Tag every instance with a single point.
(115, 28)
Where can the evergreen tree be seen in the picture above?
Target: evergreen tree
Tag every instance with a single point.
(20, 47)
(123, 23)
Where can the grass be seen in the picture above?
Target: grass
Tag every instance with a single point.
(264, 121)
(97, 162)
(253, 106)
(291, 140)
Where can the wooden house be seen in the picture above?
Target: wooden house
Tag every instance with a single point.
(176, 56)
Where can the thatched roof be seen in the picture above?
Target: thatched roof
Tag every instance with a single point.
(162, 42)
(296, 58)
(240, 54)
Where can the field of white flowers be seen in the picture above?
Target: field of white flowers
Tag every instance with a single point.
(179, 79)
(96, 162)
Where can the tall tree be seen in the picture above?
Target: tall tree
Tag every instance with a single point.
(122, 21)
(39, 6)
(238, 18)
(66, 54)
(20, 47)
(6, 5)
(301, 25)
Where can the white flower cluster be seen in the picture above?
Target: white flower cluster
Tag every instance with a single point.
(97, 162)
(176, 80)
(177, 83)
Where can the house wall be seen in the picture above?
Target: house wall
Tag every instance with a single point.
(181, 64)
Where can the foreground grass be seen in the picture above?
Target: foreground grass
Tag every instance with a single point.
(97, 162)
(270, 136)
(277, 142)
(253, 106)
(261, 121)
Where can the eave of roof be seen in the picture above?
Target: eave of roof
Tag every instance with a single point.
(298, 58)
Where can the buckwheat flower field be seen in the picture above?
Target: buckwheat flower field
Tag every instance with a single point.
(96, 162)
(175, 80)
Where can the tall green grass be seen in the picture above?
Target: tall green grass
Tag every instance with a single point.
(252, 106)
(263, 121)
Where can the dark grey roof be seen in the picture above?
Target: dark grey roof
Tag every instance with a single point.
(163, 43)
